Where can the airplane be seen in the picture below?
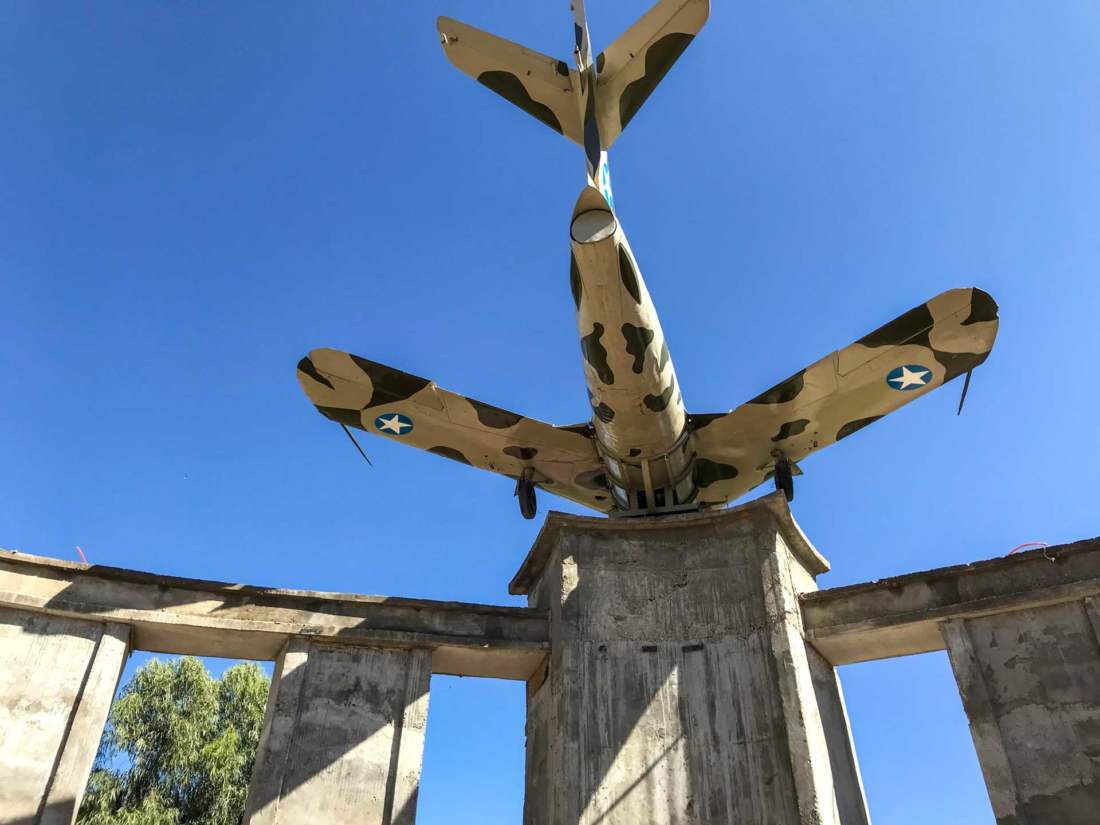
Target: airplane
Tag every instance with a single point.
(641, 453)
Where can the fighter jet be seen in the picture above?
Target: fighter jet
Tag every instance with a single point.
(640, 453)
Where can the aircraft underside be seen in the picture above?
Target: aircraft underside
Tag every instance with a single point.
(637, 409)
(641, 453)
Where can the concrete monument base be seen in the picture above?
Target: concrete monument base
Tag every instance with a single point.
(678, 671)
(678, 688)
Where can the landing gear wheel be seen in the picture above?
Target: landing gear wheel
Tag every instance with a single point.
(525, 492)
(784, 479)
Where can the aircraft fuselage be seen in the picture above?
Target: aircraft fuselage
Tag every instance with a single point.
(638, 411)
(641, 453)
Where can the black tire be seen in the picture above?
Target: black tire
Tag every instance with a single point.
(525, 492)
(784, 480)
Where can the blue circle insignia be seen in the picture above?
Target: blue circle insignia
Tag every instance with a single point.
(909, 377)
(393, 424)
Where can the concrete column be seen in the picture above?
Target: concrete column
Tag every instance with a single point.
(679, 689)
(57, 679)
(1030, 684)
(343, 738)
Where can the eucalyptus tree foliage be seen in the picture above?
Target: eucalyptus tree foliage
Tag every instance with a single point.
(178, 748)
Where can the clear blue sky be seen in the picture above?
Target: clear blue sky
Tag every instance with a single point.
(196, 194)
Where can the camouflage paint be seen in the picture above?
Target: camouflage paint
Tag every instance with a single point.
(641, 451)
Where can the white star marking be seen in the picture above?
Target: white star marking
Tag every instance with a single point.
(393, 424)
(908, 378)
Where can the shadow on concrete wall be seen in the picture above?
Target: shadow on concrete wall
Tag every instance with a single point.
(338, 714)
(640, 702)
(665, 685)
(58, 813)
(345, 725)
(661, 713)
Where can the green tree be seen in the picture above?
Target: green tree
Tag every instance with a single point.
(178, 748)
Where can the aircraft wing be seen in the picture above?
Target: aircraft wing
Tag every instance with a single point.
(844, 392)
(402, 407)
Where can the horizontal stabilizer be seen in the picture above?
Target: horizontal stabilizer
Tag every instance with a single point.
(631, 67)
(844, 392)
(536, 83)
(385, 401)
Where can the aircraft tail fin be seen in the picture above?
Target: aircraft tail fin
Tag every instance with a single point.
(631, 67)
(549, 90)
(538, 84)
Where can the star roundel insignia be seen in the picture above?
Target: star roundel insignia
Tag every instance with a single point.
(393, 424)
(909, 377)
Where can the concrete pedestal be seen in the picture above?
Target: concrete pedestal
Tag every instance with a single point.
(679, 688)
(1030, 683)
(343, 738)
(57, 679)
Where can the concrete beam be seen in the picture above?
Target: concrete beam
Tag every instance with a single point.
(901, 616)
(168, 614)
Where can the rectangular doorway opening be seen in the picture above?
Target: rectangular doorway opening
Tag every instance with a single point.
(180, 741)
(473, 752)
(913, 742)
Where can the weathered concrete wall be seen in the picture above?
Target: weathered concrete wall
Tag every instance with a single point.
(668, 675)
(57, 679)
(1021, 634)
(851, 800)
(679, 688)
(343, 738)
(1030, 683)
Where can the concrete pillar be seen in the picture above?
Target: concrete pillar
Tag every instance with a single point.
(1030, 684)
(57, 679)
(343, 738)
(679, 688)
